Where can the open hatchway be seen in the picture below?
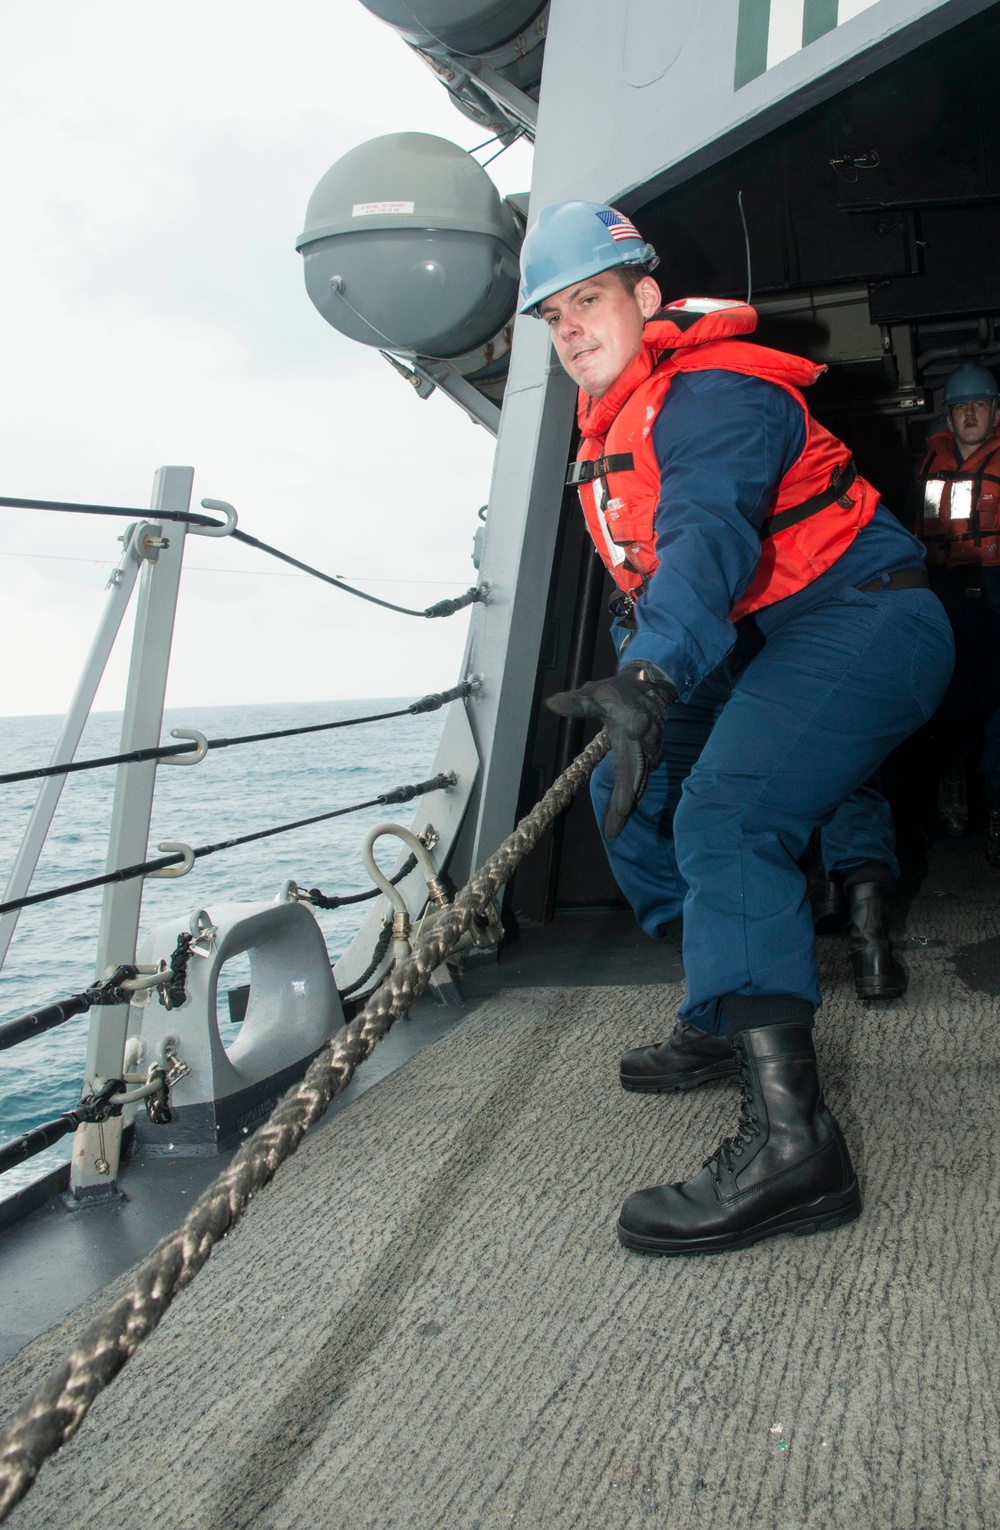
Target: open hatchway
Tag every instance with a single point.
(871, 229)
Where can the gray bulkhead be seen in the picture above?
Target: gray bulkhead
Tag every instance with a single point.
(636, 99)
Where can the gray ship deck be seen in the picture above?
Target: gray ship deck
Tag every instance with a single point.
(428, 1321)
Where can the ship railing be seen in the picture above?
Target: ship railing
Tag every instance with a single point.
(131, 979)
(56, 1407)
(152, 558)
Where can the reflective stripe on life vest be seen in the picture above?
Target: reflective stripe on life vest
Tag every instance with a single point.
(960, 521)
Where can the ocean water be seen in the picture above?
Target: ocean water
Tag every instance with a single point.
(233, 791)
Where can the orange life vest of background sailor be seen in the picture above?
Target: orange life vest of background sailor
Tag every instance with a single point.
(818, 508)
(960, 513)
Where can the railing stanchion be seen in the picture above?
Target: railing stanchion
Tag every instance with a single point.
(96, 1148)
(122, 585)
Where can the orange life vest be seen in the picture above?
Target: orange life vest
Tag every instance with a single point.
(817, 509)
(960, 514)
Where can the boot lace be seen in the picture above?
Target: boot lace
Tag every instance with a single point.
(747, 1128)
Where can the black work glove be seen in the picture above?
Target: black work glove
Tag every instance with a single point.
(633, 706)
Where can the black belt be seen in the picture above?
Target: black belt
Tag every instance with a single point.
(902, 579)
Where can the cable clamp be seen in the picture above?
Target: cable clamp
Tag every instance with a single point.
(170, 977)
(476, 594)
(401, 935)
(173, 990)
(147, 978)
(114, 988)
(99, 1106)
(162, 1076)
(203, 933)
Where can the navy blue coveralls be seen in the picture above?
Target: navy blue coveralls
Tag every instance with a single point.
(969, 715)
(765, 742)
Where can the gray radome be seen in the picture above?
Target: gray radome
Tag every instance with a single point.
(464, 26)
(408, 246)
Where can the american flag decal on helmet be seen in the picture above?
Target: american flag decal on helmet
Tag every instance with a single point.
(618, 226)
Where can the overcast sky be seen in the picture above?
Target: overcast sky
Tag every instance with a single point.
(155, 165)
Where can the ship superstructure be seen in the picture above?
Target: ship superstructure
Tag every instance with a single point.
(448, 1333)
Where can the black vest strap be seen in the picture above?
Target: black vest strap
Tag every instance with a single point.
(586, 472)
(841, 480)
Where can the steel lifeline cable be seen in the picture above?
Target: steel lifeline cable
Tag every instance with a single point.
(447, 607)
(91, 1108)
(321, 900)
(113, 990)
(13, 1032)
(429, 703)
(54, 1411)
(48, 1016)
(439, 782)
(98, 1107)
(378, 955)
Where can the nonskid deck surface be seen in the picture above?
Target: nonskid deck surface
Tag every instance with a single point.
(428, 1321)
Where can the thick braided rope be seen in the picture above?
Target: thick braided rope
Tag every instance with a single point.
(56, 1408)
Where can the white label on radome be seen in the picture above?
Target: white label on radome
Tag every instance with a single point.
(379, 209)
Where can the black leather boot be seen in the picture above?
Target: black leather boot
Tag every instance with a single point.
(687, 1058)
(877, 974)
(829, 907)
(786, 1168)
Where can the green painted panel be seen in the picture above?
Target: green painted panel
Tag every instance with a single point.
(751, 41)
(818, 18)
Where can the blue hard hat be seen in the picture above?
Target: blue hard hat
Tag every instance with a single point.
(570, 241)
(969, 383)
